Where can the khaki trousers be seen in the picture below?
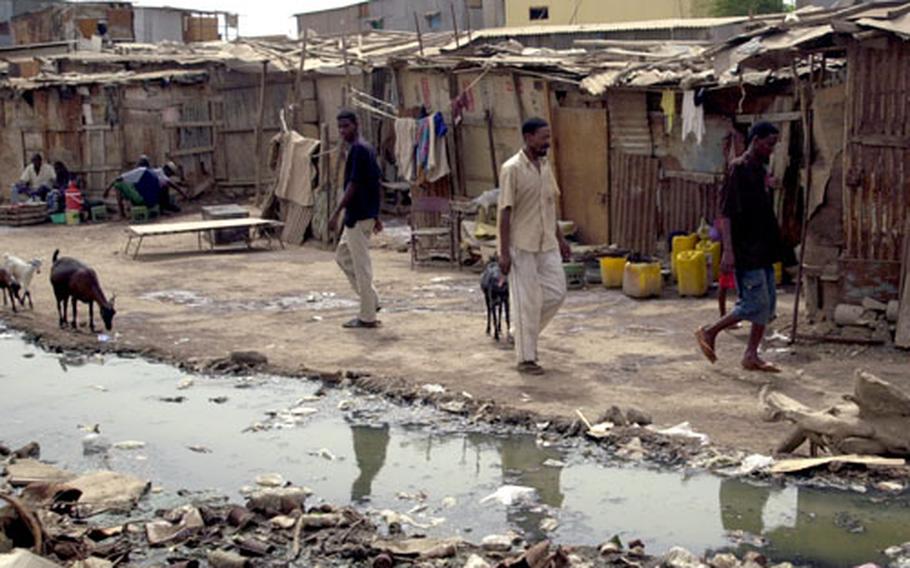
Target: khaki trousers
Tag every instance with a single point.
(537, 285)
(353, 257)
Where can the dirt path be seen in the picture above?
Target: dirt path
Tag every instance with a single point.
(603, 349)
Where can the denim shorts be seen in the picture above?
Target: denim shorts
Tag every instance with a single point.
(757, 291)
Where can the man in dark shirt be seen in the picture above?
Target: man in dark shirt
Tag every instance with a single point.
(361, 218)
(751, 245)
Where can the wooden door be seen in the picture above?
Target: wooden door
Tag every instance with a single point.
(583, 166)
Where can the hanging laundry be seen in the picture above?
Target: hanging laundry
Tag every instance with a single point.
(459, 105)
(405, 142)
(424, 129)
(438, 159)
(668, 106)
(693, 117)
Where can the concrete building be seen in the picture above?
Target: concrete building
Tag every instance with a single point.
(562, 12)
(405, 15)
(154, 24)
(11, 8)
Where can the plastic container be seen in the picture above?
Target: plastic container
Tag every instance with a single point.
(73, 197)
(778, 272)
(679, 244)
(72, 217)
(611, 271)
(58, 218)
(712, 252)
(692, 273)
(575, 275)
(642, 279)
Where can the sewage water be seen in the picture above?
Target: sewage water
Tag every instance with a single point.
(363, 450)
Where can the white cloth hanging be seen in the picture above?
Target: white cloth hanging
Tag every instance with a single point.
(405, 142)
(693, 117)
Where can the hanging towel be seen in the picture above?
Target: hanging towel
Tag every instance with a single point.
(438, 159)
(693, 117)
(668, 105)
(295, 169)
(405, 141)
(424, 127)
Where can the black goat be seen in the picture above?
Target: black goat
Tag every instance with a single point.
(9, 286)
(496, 294)
(72, 279)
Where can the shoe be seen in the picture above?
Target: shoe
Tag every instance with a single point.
(530, 368)
(358, 323)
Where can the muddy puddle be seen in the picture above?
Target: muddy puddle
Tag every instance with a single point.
(219, 434)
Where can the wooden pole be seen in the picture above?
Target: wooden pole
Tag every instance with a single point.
(419, 35)
(488, 115)
(454, 23)
(299, 78)
(259, 126)
(347, 73)
(804, 102)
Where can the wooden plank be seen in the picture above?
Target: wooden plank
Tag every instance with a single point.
(192, 151)
(882, 140)
(584, 174)
(192, 124)
(902, 336)
(196, 226)
(794, 116)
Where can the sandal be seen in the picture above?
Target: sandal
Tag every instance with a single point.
(358, 323)
(706, 348)
(759, 365)
(530, 368)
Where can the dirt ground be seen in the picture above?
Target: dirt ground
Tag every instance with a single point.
(603, 348)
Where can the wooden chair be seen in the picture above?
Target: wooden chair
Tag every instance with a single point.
(437, 239)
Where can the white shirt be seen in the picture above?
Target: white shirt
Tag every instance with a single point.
(531, 193)
(46, 177)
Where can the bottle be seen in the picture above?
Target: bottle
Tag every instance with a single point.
(73, 197)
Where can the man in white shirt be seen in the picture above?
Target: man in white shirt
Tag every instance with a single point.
(36, 181)
(531, 246)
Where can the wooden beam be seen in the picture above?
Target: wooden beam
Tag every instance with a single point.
(794, 116)
(192, 151)
(260, 120)
(419, 35)
(805, 100)
(488, 114)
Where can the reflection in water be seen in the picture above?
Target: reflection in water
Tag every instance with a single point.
(370, 445)
(522, 464)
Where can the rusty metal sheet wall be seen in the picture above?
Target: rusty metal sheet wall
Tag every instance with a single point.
(633, 201)
(630, 130)
(682, 204)
(877, 187)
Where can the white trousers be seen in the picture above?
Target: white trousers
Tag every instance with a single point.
(537, 286)
(353, 256)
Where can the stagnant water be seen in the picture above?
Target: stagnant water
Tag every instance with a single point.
(368, 452)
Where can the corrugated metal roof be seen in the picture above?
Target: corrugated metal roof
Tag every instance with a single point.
(899, 26)
(676, 23)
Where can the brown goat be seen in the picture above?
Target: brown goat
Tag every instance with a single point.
(9, 286)
(73, 279)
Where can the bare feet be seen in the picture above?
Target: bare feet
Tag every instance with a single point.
(756, 364)
(706, 344)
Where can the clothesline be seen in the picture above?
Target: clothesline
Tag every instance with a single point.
(387, 105)
(368, 108)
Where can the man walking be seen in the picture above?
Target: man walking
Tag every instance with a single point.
(530, 243)
(752, 243)
(361, 218)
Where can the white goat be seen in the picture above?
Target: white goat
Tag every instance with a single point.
(23, 271)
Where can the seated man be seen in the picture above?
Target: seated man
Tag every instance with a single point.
(37, 179)
(128, 189)
(167, 178)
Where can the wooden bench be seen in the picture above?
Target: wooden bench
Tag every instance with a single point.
(140, 232)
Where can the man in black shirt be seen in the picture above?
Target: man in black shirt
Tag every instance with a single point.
(361, 218)
(751, 245)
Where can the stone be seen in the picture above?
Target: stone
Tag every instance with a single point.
(679, 557)
(755, 557)
(614, 414)
(725, 560)
(475, 561)
(249, 358)
(636, 416)
(496, 543)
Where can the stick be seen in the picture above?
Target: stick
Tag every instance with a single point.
(347, 72)
(583, 419)
(30, 520)
(488, 115)
(259, 124)
(419, 35)
(807, 155)
(295, 546)
(454, 23)
(299, 78)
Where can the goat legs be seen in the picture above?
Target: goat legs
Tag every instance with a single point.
(505, 303)
(74, 312)
(61, 310)
(486, 297)
(91, 316)
(28, 295)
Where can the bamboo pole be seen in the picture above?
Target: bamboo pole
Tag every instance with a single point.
(259, 125)
(454, 23)
(419, 35)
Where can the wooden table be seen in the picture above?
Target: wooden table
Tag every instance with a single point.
(140, 232)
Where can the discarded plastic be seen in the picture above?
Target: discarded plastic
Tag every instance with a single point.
(103, 337)
(683, 430)
(512, 494)
(130, 445)
(185, 383)
(433, 388)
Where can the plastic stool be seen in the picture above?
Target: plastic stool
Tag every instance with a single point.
(154, 211)
(99, 213)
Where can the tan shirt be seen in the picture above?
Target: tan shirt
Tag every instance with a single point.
(46, 177)
(532, 194)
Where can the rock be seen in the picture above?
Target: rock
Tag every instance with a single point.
(900, 550)
(93, 562)
(23, 558)
(893, 311)
(185, 383)
(130, 445)
(449, 502)
(475, 561)
(95, 444)
(636, 416)
(270, 480)
(890, 486)
(278, 500)
(679, 557)
(161, 532)
(614, 414)
(632, 450)
(496, 543)
(104, 491)
(26, 471)
(755, 558)
(249, 358)
(725, 560)
(224, 559)
(549, 524)
(30, 450)
(4, 451)
(283, 522)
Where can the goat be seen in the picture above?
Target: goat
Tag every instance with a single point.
(9, 286)
(73, 279)
(24, 272)
(496, 294)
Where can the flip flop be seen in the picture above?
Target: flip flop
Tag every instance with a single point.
(530, 368)
(761, 366)
(358, 323)
(706, 349)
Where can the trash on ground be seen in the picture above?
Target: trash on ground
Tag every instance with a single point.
(511, 495)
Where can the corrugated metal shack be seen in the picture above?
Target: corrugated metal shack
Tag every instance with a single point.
(858, 208)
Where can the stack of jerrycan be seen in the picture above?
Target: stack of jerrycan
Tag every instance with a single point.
(612, 268)
(680, 243)
(692, 273)
(642, 277)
